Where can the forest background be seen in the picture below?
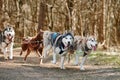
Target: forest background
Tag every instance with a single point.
(100, 18)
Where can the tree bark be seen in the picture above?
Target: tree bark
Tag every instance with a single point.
(42, 15)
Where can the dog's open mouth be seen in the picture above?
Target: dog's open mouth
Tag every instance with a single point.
(68, 45)
(94, 48)
(10, 38)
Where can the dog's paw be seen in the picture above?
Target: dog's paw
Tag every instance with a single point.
(62, 68)
(54, 62)
(11, 58)
(76, 64)
(82, 68)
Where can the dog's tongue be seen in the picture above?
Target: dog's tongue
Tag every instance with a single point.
(94, 48)
(10, 38)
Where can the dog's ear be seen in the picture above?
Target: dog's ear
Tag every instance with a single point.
(72, 32)
(65, 32)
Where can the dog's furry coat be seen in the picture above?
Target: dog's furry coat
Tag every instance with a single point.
(82, 46)
(60, 44)
(33, 44)
(6, 41)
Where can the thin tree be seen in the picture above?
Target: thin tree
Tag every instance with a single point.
(42, 15)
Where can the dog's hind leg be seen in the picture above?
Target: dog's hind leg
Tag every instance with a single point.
(28, 52)
(54, 58)
(46, 50)
(82, 63)
(40, 56)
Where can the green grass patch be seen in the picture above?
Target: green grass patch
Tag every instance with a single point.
(100, 58)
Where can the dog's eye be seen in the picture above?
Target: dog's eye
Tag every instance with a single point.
(65, 38)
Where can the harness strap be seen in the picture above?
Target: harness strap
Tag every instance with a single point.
(57, 39)
(6, 43)
(38, 43)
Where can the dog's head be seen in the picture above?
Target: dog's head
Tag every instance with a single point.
(68, 39)
(9, 33)
(91, 42)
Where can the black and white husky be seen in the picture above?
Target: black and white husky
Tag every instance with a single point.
(6, 41)
(60, 44)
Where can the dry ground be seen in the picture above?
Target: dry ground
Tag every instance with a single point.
(17, 69)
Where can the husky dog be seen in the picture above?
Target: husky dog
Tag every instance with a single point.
(6, 41)
(60, 44)
(83, 46)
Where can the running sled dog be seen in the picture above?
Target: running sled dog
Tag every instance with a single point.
(82, 47)
(33, 44)
(7, 41)
(60, 44)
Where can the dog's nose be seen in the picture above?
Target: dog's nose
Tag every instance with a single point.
(69, 42)
(8, 34)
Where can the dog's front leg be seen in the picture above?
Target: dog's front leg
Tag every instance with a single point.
(82, 63)
(46, 50)
(4, 50)
(11, 51)
(62, 62)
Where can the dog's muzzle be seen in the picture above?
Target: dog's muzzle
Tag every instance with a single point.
(68, 43)
(9, 37)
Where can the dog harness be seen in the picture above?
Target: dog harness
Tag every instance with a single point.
(10, 40)
(61, 48)
(58, 42)
(54, 37)
(86, 49)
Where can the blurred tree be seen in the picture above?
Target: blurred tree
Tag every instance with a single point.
(42, 14)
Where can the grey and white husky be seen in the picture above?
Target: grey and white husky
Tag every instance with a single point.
(82, 47)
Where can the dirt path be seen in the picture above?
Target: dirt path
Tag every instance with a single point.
(18, 69)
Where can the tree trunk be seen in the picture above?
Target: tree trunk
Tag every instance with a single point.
(1, 3)
(69, 7)
(42, 15)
